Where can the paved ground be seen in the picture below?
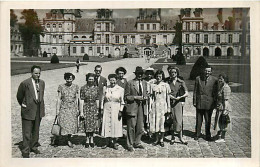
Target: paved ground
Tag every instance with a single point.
(238, 139)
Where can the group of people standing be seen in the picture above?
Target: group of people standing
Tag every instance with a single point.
(149, 104)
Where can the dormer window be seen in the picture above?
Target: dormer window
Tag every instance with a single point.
(54, 25)
(48, 25)
(60, 25)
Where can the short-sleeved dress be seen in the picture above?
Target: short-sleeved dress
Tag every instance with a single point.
(67, 117)
(90, 110)
(223, 97)
(113, 98)
(160, 106)
(176, 106)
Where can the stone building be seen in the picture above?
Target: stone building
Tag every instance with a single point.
(67, 34)
(16, 41)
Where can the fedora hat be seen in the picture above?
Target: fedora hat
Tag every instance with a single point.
(139, 69)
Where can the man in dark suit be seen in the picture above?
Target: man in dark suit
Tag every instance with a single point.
(30, 96)
(136, 97)
(100, 82)
(204, 99)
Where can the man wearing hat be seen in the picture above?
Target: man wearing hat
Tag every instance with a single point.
(136, 97)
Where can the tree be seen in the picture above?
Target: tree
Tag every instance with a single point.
(198, 67)
(31, 30)
(178, 36)
(13, 18)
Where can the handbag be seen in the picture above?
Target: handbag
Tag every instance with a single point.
(181, 92)
(55, 130)
(168, 120)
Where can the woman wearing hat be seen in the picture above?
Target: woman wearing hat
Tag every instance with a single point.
(89, 103)
(67, 107)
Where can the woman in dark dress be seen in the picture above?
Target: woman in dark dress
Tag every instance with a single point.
(176, 107)
(89, 103)
(67, 107)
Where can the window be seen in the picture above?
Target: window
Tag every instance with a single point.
(187, 38)
(240, 37)
(197, 25)
(54, 36)
(148, 26)
(98, 38)
(82, 50)
(154, 39)
(107, 38)
(217, 38)
(230, 38)
(74, 49)
(60, 25)
(60, 36)
(84, 36)
(154, 26)
(142, 26)
(165, 39)
(107, 49)
(132, 39)
(107, 27)
(197, 38)
(206, 38)
(142, 39)
(48, 25)
(117, 39)
(98, 26)
(98, 49)
(188, 26)
(90, 48)
(54, 25)
(125, 39)
(76, 37)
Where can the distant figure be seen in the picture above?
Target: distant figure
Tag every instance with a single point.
(77, 64)
(30, 96)
(222, 118)
(204, 99)
(148, 58)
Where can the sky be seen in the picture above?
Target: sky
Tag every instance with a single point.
(209, 14)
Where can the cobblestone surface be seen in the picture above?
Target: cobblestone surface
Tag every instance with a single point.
(238, 138)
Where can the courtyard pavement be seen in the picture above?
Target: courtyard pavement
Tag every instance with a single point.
(238, 138)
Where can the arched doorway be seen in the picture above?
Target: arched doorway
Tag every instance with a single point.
(147, 51)
(217, 52)
(230, 52)
(117, 52)
(206, 52)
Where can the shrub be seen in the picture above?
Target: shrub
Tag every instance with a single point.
(85, 57)
(109, 56)
(55, 59)
(198, 67)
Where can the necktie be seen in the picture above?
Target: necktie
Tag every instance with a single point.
(96, 80)
(37, 89)
(140, 89)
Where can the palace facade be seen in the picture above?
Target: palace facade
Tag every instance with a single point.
(68, 34)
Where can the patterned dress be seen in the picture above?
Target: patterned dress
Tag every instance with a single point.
(160, 106)
(113, 100)
(67, 117)
(89, 95)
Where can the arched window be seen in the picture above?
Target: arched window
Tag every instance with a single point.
(84, 36)
(76, 37)
(54, 25)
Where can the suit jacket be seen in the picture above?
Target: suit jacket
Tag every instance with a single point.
(131, 90)
(26, 95)
(205, 96)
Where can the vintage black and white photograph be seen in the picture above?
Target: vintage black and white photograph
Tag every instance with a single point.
(155, 82)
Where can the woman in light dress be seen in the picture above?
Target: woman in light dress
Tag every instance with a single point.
(112, 105)
(160, 106)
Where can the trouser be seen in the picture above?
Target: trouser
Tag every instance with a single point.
(135, 126)
(199, 118)
(30, 131)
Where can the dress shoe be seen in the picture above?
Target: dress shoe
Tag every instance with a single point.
(70, 144)
(184, 142)
(115, 146)
(155, 143)
(36, 151)
(130, 148)
(162, 144)
(86, 145)
(92, 145)
(25, 155)
(220, 141)
(105, 146)
(172, 142)
(209, 139)
(139, 146)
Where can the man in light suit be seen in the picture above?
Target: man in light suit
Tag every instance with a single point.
(136, 97)
(204, 99)
(100, 81)
(30, 96)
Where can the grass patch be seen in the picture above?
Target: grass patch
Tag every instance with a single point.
(236, 73)
(69, 59)
(25, 67)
